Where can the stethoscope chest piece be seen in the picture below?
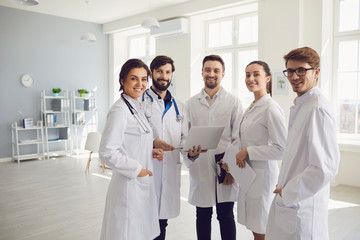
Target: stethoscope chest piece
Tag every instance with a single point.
(178, 118)
(148, 107)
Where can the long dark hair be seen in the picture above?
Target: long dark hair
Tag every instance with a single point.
(267, 72)
(128, 66)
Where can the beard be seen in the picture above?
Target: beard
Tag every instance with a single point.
(159, 86)
(211, 85)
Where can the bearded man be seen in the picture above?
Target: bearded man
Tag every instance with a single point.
(166, 117)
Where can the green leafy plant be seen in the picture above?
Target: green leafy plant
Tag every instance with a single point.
(281, 82)
(82, 91)
(56, 90)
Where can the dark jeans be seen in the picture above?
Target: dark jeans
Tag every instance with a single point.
(163, 224)
(225, 216)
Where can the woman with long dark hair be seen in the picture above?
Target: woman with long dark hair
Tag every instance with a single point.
(127, 147)
(262, 138)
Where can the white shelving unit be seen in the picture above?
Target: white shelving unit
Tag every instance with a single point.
(27, 136)
(84, 114)
(56, 117)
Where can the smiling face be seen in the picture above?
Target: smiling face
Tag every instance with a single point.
(161, 77)
(256, 78)
(304, 83)
(212, 74)
(135, 82)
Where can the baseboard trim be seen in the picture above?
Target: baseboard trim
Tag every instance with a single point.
(9, 159)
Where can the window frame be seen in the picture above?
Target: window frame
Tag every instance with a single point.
(234, 48)
(337, 39)
(337, 22)
(148, 56)
(212, 21)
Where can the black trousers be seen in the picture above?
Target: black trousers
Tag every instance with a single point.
(163, 224)
(225, 216)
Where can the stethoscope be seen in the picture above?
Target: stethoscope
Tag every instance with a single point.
(178, 116)
(136, 115)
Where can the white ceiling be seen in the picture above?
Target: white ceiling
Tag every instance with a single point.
(98, 11)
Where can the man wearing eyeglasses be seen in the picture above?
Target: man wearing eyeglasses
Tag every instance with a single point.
(311, 157)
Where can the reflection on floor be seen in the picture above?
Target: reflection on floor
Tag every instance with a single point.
(55, 199)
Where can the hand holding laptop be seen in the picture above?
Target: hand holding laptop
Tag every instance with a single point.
(195, 151)
(205, 137)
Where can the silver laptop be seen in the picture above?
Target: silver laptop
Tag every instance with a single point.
(206, 136)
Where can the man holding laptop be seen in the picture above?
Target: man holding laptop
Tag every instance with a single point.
(213, 106)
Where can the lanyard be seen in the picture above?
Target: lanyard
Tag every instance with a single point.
(136, 115)
(168, 106)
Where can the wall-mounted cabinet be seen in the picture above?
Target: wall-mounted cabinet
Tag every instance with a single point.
(84, 114)
(56, 118)
(27, 143)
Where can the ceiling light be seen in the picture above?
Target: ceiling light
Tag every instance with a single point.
(150, 22)
(89, 37)
(27, 2)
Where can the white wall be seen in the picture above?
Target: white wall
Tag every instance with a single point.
(349, 168)
(178, 48)
(197, 54)
(286, 25)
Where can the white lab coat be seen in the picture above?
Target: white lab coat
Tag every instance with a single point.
(311, 160)
(168, 172)
(225, 111)
(263, 133)
(130, 209)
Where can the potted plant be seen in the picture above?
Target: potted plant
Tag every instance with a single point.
(82, 92)
(56, 91)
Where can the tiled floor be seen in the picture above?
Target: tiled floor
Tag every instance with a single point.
(55, 199)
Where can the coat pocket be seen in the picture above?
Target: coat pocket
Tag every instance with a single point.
(142, 185)
(143, 180)
(285, 217)
(256, 188)
(142, 194)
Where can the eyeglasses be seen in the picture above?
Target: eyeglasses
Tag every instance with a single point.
(299, 71)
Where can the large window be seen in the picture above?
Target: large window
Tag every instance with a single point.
(347, 68)
(142, 46)
(135, 43)
(235, 39)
